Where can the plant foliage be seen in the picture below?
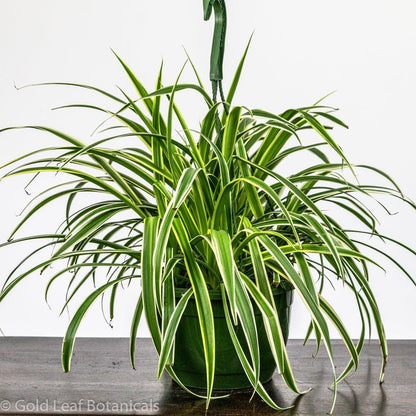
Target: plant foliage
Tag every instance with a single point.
(204, 209)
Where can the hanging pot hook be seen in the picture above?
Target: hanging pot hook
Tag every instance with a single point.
(218, 44)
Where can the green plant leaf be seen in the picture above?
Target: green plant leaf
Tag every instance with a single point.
(148, 282)
(221, 246)
(230, 132)
(307, 298)
(133, 330)
(203, 304)
(237, 76)
(170, 332)
(244, 361)
(69, 339)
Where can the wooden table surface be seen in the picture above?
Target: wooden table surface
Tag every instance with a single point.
(102, 382)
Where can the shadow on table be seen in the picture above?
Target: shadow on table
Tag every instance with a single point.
(351, 399)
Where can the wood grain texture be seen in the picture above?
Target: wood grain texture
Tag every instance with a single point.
(102, 382)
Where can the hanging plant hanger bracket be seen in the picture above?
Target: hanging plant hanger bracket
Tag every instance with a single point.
(218, 42)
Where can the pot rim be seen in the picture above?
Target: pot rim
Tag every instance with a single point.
(216, 294)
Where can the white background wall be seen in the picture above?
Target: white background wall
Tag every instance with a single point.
(365, 50)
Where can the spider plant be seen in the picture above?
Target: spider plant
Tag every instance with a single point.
(208, 208)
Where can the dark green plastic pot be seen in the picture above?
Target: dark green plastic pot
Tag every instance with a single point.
(189, 363)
